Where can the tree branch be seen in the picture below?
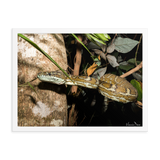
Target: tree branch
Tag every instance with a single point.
(132, 70)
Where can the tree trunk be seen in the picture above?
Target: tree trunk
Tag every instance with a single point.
(48, 105)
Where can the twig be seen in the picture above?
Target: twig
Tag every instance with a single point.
(137, 50)
(132, 71)
(70, 68)
(82, 120)
(135, 36)
(114, 38)
(69, 57)
(125, 35)
(26, 84)
(77, 62)
(71, 120)
(139, 104)
(111, 42)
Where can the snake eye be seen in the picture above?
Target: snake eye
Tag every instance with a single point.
(49, 74)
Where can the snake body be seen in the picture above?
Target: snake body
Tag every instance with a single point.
(109, 85)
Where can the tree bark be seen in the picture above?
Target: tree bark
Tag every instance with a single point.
(48, 105)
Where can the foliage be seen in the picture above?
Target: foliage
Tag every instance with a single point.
(111, 52)
(137, 85)
(108, 53)
(101, 38)
(124, 45)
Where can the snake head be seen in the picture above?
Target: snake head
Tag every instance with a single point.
(52, 77)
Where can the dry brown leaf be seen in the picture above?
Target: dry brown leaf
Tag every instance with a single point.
(100, 72)
(91, 69)
(112, 60)
(99, 57)
(111, 48)
(99, 52)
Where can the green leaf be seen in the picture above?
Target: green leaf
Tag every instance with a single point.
(93, 43)
(98, 63)
(137, 85)
(94, 39)
(27, 83)
(126, 67)
(107, 36)
(82, 44)
(132, 61)
(125, 45)
(101, 37)
(32, 87)
(96, 60)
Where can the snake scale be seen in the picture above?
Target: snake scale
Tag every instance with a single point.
(109, 85)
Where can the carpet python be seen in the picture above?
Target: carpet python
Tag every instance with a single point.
(109, 85)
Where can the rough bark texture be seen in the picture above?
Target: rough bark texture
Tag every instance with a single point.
(49, 106)
(77, 62)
